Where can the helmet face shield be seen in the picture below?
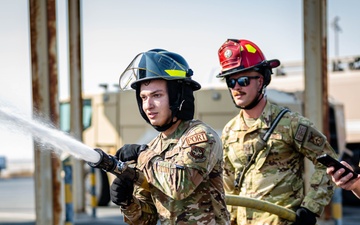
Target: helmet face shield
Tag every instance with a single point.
(129, 75)
(152, 65)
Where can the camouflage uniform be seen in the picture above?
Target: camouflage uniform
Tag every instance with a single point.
(275, 170)
(184, 172)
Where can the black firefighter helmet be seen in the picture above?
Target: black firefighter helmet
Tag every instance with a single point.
(169, 66)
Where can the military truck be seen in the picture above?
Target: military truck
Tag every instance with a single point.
(111, 119)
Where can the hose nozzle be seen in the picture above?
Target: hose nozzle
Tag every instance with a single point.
(110, 164)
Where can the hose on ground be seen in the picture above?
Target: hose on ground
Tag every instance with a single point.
(261, 205)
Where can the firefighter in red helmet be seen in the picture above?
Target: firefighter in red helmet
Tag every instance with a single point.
(265, 144)
(238, 56)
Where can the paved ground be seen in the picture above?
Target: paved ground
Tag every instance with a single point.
(17, 208)
(104, 216)
(111, 216)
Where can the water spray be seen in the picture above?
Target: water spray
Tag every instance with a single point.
(110, 164)
(46, 134)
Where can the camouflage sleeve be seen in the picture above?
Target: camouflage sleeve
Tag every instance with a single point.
(184, 166)
(311, 143)
(229, 176)
(141, 211)
(229, 179)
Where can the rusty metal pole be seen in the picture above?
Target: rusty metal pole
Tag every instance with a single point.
(45, 101)
(76, 126)
(316, 78)
(315, 67)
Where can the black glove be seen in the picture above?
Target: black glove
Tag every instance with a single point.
(121, 192)
(305, 217)
(129, 152)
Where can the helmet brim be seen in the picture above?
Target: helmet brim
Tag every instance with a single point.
(270, 64)
(193, 84)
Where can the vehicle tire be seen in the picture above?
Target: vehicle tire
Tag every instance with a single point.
(103, 197)
(102, 188)
(348, 198)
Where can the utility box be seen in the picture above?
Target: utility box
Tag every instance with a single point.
(2, 163)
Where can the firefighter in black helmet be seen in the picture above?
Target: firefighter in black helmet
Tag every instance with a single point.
(160, 64)
(183, 164)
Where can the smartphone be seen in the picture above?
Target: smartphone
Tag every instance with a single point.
(329, 161)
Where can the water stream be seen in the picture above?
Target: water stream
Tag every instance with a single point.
(46, 134)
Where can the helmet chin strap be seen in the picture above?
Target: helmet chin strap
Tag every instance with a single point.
(166, 126)
(256, 100)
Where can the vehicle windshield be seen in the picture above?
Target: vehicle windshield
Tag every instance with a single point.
(65, 115)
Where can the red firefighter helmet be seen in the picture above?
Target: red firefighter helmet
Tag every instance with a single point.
(242, 55)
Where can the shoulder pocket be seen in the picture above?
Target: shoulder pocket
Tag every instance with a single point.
(173, 152)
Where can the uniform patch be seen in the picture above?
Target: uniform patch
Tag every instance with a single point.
(197, 154)
(196, 138)
(300, 133)
(276, 136)
(316, 140)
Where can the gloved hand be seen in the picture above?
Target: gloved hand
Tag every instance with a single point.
(130, 152)
(305, 217)
(121, 192)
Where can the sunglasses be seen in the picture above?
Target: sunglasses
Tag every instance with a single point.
(242, 81)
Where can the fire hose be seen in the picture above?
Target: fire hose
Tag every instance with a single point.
(122, 170)
(261, 205)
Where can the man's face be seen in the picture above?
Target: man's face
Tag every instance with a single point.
(244, 95)
(155, 102)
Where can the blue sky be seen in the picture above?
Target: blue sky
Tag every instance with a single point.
(114, 31)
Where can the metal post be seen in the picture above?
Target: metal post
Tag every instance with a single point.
(337, 29)
(45, 95)
(69, 210)
(76, 126)
(93, 192)
(315, 67)
(315, 70)
(336, 206)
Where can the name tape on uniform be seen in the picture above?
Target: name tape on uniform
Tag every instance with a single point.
(196, 138)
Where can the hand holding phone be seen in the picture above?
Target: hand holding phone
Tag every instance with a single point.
(329, 161)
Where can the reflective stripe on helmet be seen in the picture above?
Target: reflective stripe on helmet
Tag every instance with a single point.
(250, 48)
(176, 73)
